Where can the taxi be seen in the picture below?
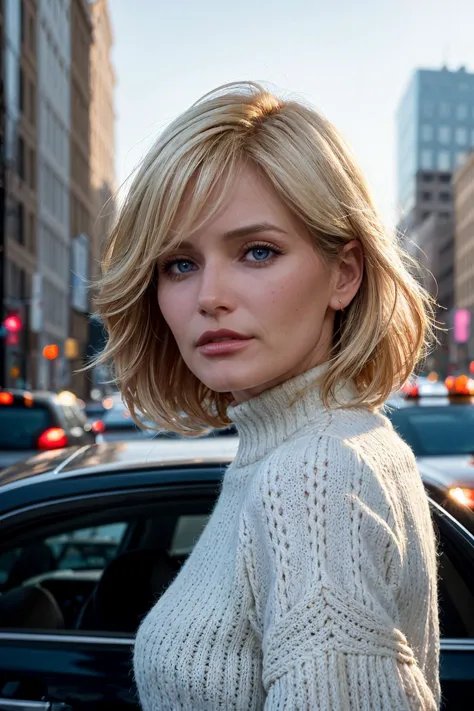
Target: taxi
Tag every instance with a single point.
(436, 419)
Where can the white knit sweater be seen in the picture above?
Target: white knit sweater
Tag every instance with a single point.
(313, 585)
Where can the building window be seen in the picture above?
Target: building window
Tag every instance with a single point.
(427, 109)
(425, 215)
(32, 231)
(21, 90)
(427, 177)
(461, 159)
(32, 103)
(427, 132)
(444, 109)
(461, 111)
(445, 197)
(444, 160)
(426, 195)
(426, 159)
(32, 169)
(461, 136)
(445, 178)
(21, 223)
(444, 134)
(21, 158)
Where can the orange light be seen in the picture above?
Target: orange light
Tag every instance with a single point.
(28, 400)
(464, 496)
(6, 398)
(471, 367)
(449, 382)
(107, 403)
(51, 352)
(433, 377)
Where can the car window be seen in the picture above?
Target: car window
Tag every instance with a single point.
(436, 431)
(70, 580)
(20, 426)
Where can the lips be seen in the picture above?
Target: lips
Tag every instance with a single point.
(219, 336)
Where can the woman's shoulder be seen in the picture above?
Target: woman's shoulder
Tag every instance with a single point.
(357, 451)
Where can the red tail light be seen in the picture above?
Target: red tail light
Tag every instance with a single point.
(54, 438)
(98, 427)
(6, 398)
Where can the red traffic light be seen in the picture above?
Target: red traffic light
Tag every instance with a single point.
(13, 323)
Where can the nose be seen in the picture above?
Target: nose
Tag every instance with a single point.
(215, 292)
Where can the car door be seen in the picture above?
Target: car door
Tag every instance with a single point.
(85, 663)
(58, 643)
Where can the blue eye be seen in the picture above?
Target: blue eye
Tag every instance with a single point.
(180, 266)
(261, 254)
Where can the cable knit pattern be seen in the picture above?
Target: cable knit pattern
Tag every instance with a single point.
(313, 585)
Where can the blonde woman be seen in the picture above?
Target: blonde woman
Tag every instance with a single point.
(249, 280)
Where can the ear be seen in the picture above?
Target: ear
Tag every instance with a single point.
(348, 272)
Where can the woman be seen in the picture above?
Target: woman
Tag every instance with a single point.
(249, 280)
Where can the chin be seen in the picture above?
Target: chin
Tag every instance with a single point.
(230, 378)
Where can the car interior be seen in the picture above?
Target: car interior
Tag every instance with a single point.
(63, 580)
(102, 572)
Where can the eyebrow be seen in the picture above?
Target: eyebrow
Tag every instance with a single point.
(244, 231)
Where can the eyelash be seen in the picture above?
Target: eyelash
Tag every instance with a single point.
(165, 267)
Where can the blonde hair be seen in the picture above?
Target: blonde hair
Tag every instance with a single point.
(379, 338)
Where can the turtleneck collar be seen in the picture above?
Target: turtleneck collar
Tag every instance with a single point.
(267, 420)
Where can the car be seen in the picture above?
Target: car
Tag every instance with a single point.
(67, 621)
(116, 424)
(440, 431)
(32, 422)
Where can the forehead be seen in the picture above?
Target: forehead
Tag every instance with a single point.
(237, 199)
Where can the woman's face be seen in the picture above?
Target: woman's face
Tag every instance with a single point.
(247, 298)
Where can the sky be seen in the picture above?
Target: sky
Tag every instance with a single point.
(351, 59)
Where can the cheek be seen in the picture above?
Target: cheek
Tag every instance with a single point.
(173, 311)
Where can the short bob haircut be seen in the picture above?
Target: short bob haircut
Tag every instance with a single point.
(378, 339)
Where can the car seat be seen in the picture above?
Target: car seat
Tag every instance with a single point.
(30, 607)
(127, 590)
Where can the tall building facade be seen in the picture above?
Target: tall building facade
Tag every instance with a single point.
(102, 158)
(80, 194)
(102, 125)
(20, 121)
(464, 235)
(435, 131)
(54, 60)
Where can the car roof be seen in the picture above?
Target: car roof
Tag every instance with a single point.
(130, 455)
(400, 402)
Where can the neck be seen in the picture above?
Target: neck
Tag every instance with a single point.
(277, 414)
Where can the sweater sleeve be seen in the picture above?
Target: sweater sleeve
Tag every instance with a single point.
(324, 560)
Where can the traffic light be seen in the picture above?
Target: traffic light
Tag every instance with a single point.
(13, 323)
(12, 326)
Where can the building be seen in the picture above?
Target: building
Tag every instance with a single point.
(102, 158)
(54, 60)
(81, 218)
(434, 238)
(20, 208)
(463, 182)
(435, 131)
(102, 126)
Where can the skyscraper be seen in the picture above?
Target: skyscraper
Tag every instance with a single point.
(435, 130)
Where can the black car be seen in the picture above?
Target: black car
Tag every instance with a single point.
(67, 621)
(440, 430)
(32, 422)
